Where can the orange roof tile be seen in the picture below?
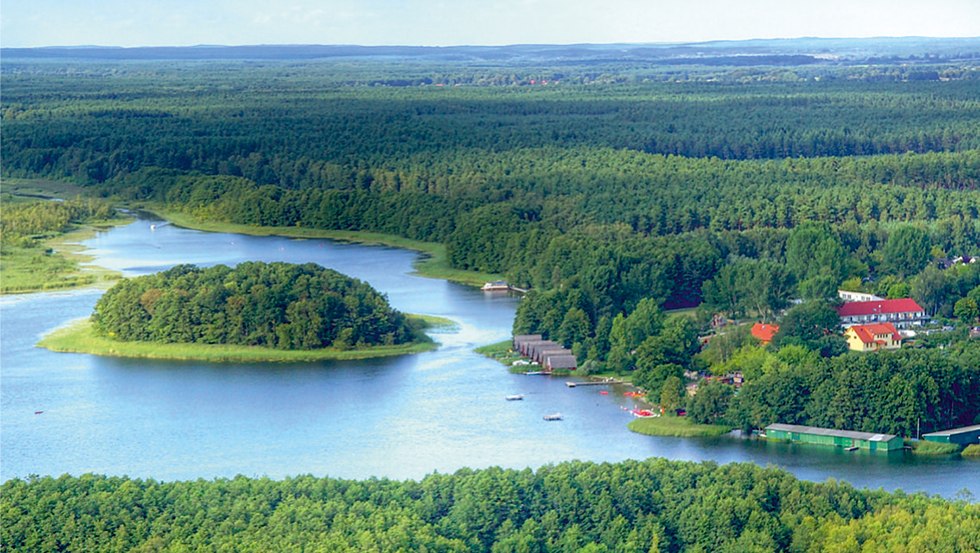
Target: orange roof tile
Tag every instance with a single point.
(866, 333)
(764, 332)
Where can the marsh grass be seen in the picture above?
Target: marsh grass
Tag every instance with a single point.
(56, 263)
(923, 447)
(681, 427)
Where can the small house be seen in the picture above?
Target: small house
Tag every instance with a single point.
(873, 337)
(560, 362)
(544, 353)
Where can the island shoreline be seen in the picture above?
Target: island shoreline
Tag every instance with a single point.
(79, 337)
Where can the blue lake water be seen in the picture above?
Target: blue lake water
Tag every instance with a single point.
(401, 417)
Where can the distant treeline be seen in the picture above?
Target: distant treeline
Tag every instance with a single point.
(23, 223)
(652, 506)
(277, 305)
(596, 196)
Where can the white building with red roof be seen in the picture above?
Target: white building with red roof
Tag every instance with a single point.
(873, 337)
(902, 313)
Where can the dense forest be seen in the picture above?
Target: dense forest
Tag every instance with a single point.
(617, 185)
(276, 305)
(651, 506)
(613, 189)
(24, 223)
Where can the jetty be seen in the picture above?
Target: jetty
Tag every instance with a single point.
(603, 382)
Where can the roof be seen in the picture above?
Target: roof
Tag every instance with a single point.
(867, 333)
(764, 332)
(952, 431)
(904, 305)
(562, 362)
(543, 345)
(526, 338)
(868, 436)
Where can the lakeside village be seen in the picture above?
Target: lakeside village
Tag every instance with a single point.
(869, 324)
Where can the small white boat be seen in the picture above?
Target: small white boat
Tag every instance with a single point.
(515, 397)
(553, 417)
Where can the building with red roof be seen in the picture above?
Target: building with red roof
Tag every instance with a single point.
(902, 313)
(873, 337)
(764, 332)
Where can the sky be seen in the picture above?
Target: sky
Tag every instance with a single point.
(26, 23)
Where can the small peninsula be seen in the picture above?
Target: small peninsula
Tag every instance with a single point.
(252, 312)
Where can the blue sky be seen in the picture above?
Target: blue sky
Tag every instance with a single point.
(487, 22)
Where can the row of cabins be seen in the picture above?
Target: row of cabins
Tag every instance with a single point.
(550, 355)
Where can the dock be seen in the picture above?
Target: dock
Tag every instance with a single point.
(606, 382)
(502, 286)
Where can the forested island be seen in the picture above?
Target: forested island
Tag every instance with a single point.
(650, 506)
(301, 311)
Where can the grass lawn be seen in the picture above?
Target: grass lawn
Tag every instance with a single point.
(80, 337)
(689, 312)
(434, 262)
(676, 426)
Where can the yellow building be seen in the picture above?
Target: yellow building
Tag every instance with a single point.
(873, 337)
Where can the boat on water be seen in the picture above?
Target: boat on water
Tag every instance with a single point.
(553, 417)
(515, 397)
(644, 413)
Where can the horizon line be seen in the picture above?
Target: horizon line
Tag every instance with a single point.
(474, 45)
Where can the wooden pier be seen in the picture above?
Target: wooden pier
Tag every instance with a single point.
(606, 382)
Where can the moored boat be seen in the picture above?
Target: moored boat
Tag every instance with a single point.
(553, 417)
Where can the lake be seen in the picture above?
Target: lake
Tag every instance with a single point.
(401, 417)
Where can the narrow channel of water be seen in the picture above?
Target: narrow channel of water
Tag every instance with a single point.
(401, 417)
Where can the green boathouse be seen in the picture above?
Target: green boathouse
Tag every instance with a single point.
(963, 436)
(829, 436)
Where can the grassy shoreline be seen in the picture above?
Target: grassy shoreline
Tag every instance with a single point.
(925, 447)
(434, 262)
(27, 270)
(680, 427)
(80, 337)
